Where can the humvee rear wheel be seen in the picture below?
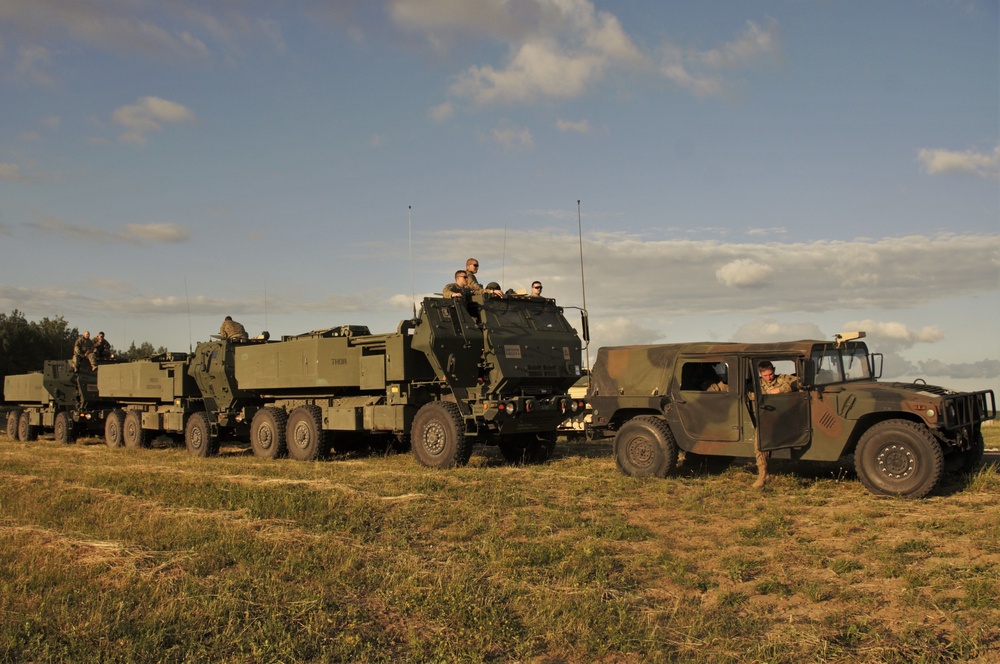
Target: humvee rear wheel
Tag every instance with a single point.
(528, 448)
(644, 447)
(25, 430)
(267, 433)
(132, 432)
(198, 436)
(113, 427)
(13, 417)
(899, 458)
(62, 428)
(438, 438)
(304, 434)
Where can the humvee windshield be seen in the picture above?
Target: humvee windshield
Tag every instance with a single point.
(835, 365)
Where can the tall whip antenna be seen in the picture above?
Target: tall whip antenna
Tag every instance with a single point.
(503, 261)
(265, 304)
(413, 288)
(190, 335)
(583, 281)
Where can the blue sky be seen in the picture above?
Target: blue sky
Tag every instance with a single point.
(746, 171)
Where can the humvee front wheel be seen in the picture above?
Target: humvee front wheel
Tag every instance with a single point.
(62, 428)
(13, 417)
(267, 433)
(899, 458)
(26, 431)
(198, 436)
(438, 437)
(304, 434)
(645, 447)
(113, 427)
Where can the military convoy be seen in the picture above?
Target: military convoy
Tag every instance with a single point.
(490, 370)
(705, 399)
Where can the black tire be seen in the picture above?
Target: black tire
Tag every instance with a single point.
(304, 435)
(26, 432)
(267, 433)
(645, 447)
(198, 437)
(62, 428)
(114, 427)
(13, 418)
(438, 438)
(899, 458)
(521, 449)
(132, 432)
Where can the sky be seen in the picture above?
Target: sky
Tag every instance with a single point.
(727, 170)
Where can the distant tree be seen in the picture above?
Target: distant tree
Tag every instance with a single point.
(24, 345)
(145, 349)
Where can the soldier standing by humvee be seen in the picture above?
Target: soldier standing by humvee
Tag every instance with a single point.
(232, 330)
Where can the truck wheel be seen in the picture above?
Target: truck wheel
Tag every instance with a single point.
(899, 458)
(438, 437)
(198, 436)
(304, 434)
(528, 448)
(644, 447)
(26, 432)
(113, 427)
(267, 433)
(13, 417)
(132, 433)
(62, 429)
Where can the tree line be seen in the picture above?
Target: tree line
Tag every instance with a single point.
(25, 345)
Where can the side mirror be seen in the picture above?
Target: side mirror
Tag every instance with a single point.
(585, 324)
(807, 377)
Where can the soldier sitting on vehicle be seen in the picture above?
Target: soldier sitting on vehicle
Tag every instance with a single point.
(457, 288)
(102, 349)
(83, 348)
(232, 330)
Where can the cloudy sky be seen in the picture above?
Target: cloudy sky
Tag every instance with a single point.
(780, 169)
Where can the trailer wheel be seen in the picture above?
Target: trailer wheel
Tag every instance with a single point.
(528, 448)
(62, 429)
(198, 437)
(304, 434)
(438, 437)
(113, 427)
(26, 432)
(267, 433)
(899, 458)
(645, 447)
(13, 417)
(132, 433)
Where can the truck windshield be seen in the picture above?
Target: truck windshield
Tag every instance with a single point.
(856, 362)
(838, 365)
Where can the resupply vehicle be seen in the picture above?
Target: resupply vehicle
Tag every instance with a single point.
(659, 400)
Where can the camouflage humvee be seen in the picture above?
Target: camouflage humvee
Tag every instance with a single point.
(706, 399)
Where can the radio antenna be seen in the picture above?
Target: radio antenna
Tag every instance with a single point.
(265, 304)
(413, 288)
(583, 281)
(188, 299)
(503, 260)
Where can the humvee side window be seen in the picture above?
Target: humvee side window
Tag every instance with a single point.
(705, 377)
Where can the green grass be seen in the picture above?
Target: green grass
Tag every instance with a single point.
(150, 555)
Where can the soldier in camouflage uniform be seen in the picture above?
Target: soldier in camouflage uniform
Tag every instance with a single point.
(772, 383)
(471, 267)
(84, 348)
(102, 349)
(232, 330)
(458, 288)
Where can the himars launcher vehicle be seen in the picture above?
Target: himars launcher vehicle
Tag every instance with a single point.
(491, 371)
(656, 401)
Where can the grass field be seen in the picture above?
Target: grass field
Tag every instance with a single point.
(151, 555)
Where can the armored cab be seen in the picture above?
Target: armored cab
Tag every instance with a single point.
(151, 395)
(709, 400)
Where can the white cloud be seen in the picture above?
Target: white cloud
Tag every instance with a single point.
(511, 138)
(134, 234)
(580, 126)
(981, 164)
(32, 62)
(12, 173)
(146, 115)
(157, 233)
(744, 273)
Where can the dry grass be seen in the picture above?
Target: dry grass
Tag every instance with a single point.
(149, 555)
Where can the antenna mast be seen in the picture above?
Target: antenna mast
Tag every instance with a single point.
(413, 288)
(583, 281)
(188, 299)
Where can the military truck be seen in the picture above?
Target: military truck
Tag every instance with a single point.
(706, 400)
(56, 399)
(491, 370)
